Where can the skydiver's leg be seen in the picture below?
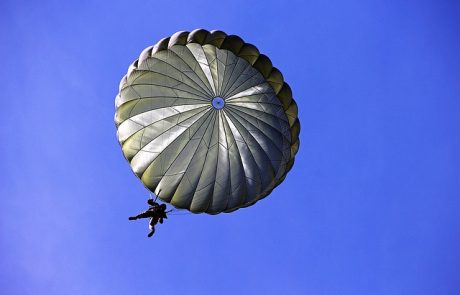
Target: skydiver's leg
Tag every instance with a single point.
(145, 214)
(153, 221)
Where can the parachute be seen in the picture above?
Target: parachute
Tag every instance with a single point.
(206, 122)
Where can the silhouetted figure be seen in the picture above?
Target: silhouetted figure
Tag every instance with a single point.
(156, 212)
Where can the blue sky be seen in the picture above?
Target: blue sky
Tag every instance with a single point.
(370, 207)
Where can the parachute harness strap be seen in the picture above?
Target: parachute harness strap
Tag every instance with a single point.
(174, 211)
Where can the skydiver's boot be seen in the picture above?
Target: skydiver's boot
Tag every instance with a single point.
(152, 231)
(132, 218)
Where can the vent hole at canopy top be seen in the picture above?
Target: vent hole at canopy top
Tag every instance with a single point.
(218, 102)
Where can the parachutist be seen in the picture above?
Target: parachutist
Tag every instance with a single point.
(156, 213)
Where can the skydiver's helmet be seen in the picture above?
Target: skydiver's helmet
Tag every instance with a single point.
(151, 202)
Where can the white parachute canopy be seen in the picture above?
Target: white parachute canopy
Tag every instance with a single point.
(206, 122)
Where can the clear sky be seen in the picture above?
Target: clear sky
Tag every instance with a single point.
(370, 207)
